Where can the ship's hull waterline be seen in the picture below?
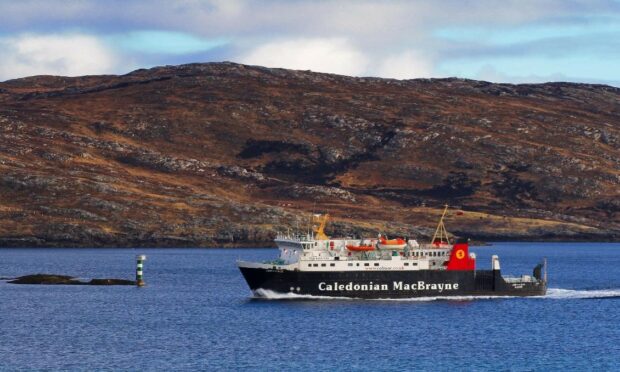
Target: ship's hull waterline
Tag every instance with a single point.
(388, 284)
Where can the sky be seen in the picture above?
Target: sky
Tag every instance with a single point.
(511, 41)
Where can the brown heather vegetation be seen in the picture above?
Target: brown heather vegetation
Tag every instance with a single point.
(223, 154)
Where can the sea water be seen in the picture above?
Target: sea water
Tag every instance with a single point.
(197, 313)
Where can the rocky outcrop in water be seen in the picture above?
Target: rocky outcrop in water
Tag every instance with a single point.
(49, 279)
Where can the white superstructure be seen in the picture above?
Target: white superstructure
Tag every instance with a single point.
(317, 252)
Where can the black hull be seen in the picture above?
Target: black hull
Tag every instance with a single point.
(389, 284)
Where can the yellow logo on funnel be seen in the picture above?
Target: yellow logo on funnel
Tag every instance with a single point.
(460, 254)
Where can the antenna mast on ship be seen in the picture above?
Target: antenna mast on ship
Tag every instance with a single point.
(319, 229)
(441, 233)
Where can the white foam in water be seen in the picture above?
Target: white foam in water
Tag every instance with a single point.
(562, 294)
(552, 293)
(272, 295)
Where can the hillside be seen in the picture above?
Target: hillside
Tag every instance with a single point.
(223, 154)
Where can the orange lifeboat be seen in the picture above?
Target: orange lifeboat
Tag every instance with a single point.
(394, 244)
(360, 248)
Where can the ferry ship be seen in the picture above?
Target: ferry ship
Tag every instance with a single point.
(381, 268)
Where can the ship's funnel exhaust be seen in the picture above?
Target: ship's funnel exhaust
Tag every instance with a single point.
(460, 258)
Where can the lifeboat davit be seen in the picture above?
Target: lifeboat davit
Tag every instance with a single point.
(360, 248)
(392, 244)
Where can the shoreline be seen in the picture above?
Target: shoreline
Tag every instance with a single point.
(268, 245)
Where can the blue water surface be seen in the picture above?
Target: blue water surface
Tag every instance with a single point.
(196, 313)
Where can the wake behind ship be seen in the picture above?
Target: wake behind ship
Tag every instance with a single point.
(377, 268)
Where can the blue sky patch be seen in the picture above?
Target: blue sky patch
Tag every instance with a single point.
(163, 42)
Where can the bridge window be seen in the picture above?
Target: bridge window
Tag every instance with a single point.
(322, 265)
(376, 264)
(366, 264)
(331, 264)
(406, 263)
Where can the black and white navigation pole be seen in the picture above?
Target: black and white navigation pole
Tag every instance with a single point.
(139, 270)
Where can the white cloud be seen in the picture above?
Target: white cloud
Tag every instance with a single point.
(68, 55)
(406, 65)
(310, 18)
(399, 38)
(334, 55)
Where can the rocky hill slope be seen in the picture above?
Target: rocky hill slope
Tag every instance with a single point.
(224, 154)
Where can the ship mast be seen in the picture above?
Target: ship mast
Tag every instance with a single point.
(441, 233)
(320, 229)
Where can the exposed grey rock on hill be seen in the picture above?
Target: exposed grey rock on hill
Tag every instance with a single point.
(226, 154)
